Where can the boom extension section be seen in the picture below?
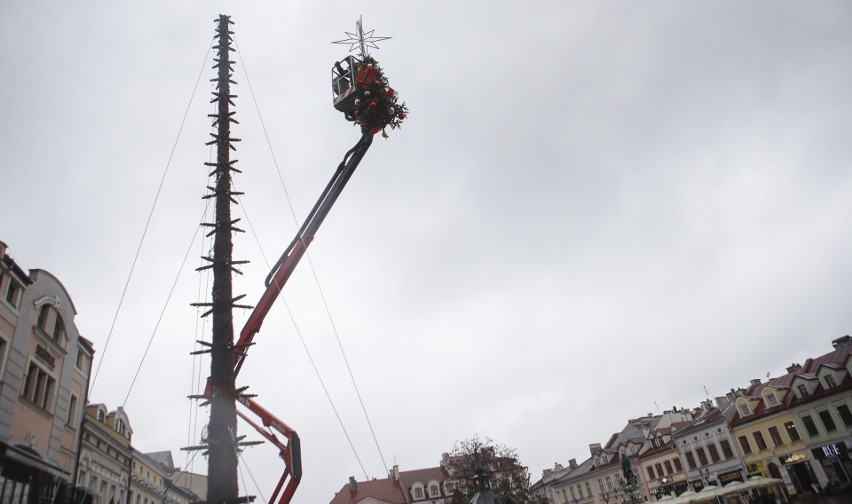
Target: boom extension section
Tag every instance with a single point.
(285, 266)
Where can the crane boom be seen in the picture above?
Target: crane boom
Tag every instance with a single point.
(290, 450)
(288, 261)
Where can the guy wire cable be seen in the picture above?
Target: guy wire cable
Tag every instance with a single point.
(148, 222)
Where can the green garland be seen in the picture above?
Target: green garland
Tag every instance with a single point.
(376, 103)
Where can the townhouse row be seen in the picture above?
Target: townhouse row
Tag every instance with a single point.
(54, 447)
(796, 428)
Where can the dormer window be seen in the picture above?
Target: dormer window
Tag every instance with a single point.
(418, 493)
(803, 390)
(829, 381)
(744, 411)
(433, 491)
(771, 400)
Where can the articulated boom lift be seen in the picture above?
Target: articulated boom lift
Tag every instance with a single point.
(289, 448)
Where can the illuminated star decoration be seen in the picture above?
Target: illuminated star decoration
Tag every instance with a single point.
(361, 40)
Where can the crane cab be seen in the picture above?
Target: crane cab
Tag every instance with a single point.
(343, 84)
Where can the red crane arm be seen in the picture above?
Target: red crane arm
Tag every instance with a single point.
(290, 450)
(285, 266)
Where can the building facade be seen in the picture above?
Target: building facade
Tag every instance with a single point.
(797, 426)
(105, 455)
(707, 448)
(44, 375)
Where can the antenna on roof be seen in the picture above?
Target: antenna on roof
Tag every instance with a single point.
(706, 392)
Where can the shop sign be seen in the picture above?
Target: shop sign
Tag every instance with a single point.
(830, 450)
(45, 356)
(795, 457)
(727, 477)
(757, 467)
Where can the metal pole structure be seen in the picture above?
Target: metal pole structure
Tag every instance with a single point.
(222, 485)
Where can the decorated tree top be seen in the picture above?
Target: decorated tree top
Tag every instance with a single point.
(362, 91)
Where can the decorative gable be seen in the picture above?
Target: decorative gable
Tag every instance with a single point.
(771, 397)
(831, 376)
(804, 385)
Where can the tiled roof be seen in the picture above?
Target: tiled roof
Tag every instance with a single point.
(711, 417)
(388, 489)
(583, 468)
(668, 446)
(808, 371)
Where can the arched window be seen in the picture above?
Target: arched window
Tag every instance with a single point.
(59, 329)
(43, 312)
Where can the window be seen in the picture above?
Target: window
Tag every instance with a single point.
(776, 436)
(803, 390)
(659, 468)
(580, 491)
(714, 453)
(810, 426)
(650, 472)
(433, 490)
(418, 493)
(744, 411)
(600, 485)
(677, 464)
(758, 438)
(2, 355)
(771, 400)
(13, 292)
(726, 449)
(702, 457)
(827, 421)
(792, 431)
(59, 329)
(608, 484)
(80, 359)
(72, 412)
(43, 313)
(690, 460)
(668, 465)
(842, 409)
(744, 444)
(588, 489)
(829, 381)
(38, 387)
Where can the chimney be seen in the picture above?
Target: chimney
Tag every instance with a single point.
(706, 406)
(572, 463)
(594, 448)
(723, 402)
(755, 382)
(396, 472)
(353, 485)
(842, 342)
(793, 368)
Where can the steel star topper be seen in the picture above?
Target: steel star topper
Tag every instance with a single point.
(361, 40)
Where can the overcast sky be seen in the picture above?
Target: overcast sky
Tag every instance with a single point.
(595, 209)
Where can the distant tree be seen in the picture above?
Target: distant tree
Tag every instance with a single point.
(508, 479)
